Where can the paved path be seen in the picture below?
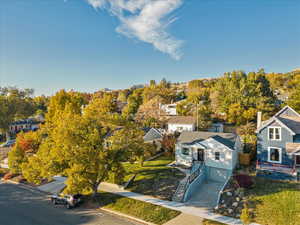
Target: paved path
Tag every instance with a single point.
(54, 187)
(185, 219)
(191, 210)
(21, 205)
(207, 195)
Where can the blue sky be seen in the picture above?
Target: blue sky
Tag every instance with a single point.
(87, 45)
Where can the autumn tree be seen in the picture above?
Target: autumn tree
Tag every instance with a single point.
(26, 144)
(101, 106)
(60, 102)
(168, 143)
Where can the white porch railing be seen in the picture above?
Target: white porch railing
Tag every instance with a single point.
(185, 183)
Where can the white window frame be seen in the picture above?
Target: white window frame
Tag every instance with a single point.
(280, 155)
(274, 134)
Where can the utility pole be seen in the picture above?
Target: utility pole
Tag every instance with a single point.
(197, 121)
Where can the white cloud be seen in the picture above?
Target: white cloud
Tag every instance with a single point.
(146, 20)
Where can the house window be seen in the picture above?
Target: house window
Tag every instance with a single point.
(185, 151)
(274, 155)
(217, 156)
(274, 133)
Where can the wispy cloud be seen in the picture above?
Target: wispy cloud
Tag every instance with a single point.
(146, 20)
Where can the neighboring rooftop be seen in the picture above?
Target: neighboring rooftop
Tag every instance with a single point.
(292, 147)
(182, 120)
(152, 134)
(28, 121)
(288, 117)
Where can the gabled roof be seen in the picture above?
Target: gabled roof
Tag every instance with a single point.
(285, 109)
(182, 120)
(152, 134)
(286, 117)
(191, 137)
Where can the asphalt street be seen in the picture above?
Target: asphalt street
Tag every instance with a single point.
(25, 206)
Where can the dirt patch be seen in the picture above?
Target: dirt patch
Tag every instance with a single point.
(162, 186)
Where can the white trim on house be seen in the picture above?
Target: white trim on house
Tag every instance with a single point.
(287, 107)
(280, 155)
(278, 121)
(274, 134)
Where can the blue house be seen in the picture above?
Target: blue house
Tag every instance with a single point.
(278, 145)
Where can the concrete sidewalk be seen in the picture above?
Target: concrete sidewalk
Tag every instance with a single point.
(190, 210)
(185, 219)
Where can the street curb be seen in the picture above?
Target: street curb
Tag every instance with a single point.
(126, 216)
(25, 186)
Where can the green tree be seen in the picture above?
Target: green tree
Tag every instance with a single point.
(15, 159)
(239, 96)
(294, 99)
(133, 103)
(14, 104)
(101, 106)
(204, 116)
(129, 140)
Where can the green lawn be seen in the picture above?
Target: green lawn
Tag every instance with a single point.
(211, 222)
(154, 178)
(275, 202)
(142, 210)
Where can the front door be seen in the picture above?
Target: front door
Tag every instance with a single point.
(298, 160)
(200, 155)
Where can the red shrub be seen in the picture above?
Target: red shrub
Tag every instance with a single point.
(244, 181)
(8, 176)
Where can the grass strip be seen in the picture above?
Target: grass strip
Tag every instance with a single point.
(139, 209)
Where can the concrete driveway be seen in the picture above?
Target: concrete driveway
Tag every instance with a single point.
(207, 195)
(25, 206)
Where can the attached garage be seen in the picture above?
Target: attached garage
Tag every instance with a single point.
(217, 174)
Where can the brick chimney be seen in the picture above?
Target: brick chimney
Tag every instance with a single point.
(259, 116)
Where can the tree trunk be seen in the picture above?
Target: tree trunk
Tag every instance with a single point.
(7, 135)
(95, 190)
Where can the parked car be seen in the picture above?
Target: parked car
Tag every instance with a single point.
(70, 201)
(9, 143)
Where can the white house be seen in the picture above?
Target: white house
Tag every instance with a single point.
(181, 123)
(169, 109)
(24, 125)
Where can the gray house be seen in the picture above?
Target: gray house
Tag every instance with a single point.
(153, 136)
(217, 151)
(278, 145)
(212, 157)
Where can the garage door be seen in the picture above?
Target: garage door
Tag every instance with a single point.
(217, 174)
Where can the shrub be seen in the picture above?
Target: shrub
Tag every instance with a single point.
(8, 176)
(244, 181)
(246, 216)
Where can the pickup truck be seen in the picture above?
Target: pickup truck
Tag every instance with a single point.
(70, 201)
